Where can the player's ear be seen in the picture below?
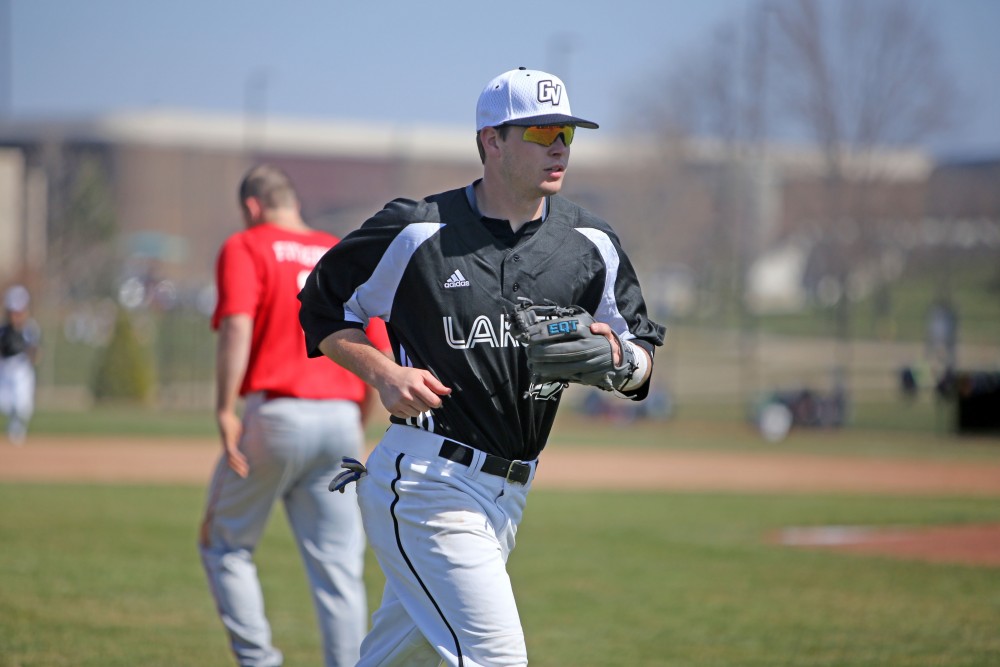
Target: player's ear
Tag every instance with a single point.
(253, 210)
(489, 138)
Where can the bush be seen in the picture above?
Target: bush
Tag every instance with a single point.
(124, 371)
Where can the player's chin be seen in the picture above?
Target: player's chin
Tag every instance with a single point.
(552, 184)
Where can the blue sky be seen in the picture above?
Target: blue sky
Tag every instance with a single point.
(404, 61)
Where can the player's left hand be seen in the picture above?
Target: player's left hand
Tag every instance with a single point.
(354, 470)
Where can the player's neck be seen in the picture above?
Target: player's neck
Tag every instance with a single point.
(287, 219)
(503, 204)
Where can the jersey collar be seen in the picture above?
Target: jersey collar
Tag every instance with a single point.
(470, 194)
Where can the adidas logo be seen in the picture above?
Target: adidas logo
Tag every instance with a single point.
(456, 280)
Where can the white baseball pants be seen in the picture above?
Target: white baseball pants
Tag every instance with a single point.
(17, 395)
(442, 532)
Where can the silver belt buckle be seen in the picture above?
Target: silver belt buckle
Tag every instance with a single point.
(515, 466)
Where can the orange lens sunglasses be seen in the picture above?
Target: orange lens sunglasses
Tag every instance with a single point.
(546, 135)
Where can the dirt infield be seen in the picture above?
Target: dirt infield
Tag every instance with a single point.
(186, 461)
(971, 545)
(183, 461)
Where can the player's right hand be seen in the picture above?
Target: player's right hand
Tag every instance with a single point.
(409, 392)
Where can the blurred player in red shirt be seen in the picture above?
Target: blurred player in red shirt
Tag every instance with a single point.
(300, 417)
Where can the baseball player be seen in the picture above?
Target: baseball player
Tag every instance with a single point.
(300, 417)
(471, 400)
(20, 338)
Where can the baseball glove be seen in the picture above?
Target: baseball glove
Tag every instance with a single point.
(562, 348)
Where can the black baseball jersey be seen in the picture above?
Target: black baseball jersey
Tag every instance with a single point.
(18, 340)
(445, 284)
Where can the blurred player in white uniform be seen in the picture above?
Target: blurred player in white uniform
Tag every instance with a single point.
(20, 337)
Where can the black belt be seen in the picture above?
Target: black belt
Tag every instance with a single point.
(512, 471)
(275, 395)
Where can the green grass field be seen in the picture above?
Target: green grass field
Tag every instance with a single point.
(109, 576)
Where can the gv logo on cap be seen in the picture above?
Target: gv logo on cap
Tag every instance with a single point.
(549, 92)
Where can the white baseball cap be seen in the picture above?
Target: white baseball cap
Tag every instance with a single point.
(526, 97)
(16, 299)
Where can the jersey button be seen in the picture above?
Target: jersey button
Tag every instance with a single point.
(516, 258)
(516, 287)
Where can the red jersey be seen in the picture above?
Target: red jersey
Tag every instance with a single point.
(259, 273)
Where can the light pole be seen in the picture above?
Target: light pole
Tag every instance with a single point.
(254, 110)
(560, 53)
(6, 57)
(752, 230)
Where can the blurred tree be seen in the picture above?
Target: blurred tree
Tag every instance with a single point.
(857, 77)
(858, 74)
(854, 79)
(84, 231)
(124, 372)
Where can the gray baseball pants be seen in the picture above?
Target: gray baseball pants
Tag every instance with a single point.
(294, 448)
